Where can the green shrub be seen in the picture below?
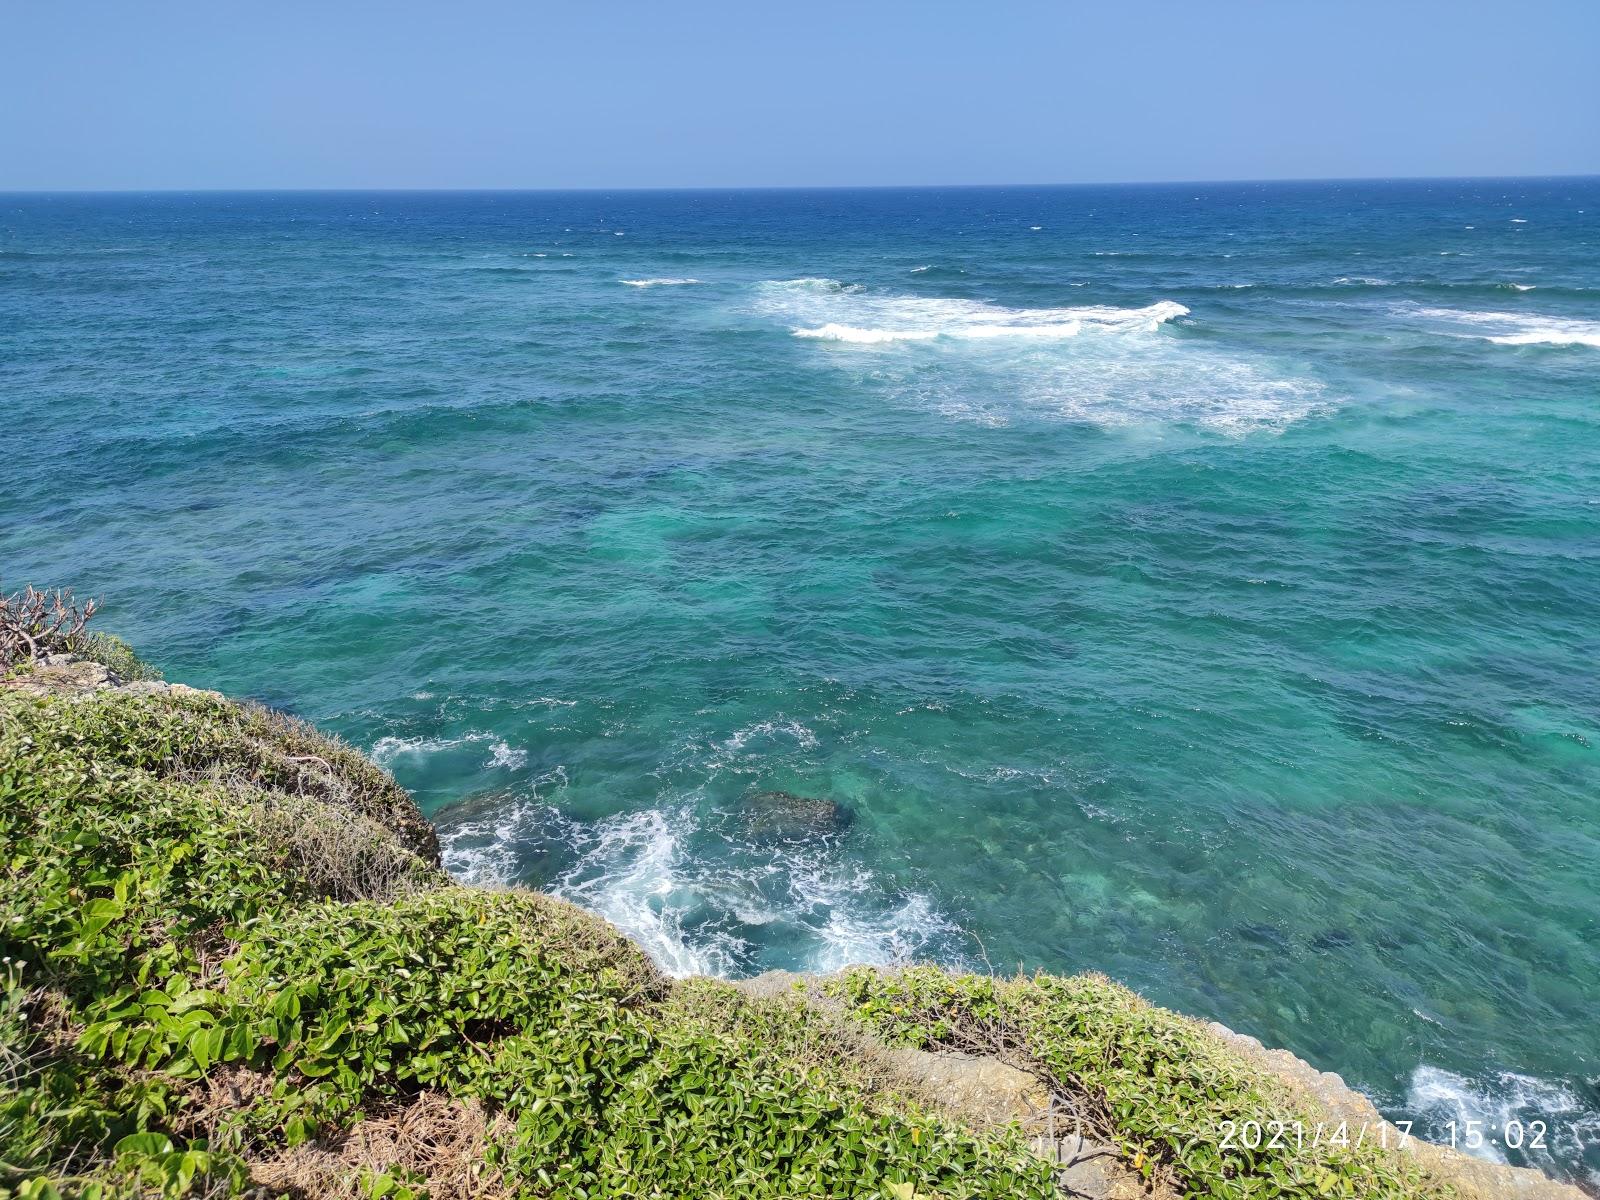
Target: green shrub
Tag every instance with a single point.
(745, 1097)
(193, 736)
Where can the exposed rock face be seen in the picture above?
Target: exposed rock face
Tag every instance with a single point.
(62, 673)
(785, 817)
(985, 1091)
(58, 674)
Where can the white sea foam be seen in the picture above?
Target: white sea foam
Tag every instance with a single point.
(1439, 1097)
(767, 730)
(810, 283)
(699, 913)
(387, 751)
(834, 332)
(993, 364)
(503, 755)
(1509, 329)
(1554, 333)
(650, 283)
(853, 935)
(484, 847)
(630, 871)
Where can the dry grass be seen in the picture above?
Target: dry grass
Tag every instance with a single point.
(339, 852)
(441, 1142)
(314, 765)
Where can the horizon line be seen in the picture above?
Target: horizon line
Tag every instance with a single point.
(780, 187)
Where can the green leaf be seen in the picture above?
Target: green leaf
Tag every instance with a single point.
(144, 1144)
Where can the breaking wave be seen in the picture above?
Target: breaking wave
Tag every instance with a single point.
(977, 360)
(699, 894)
(1569, 1126)
(650, 283)
(842, 313)
(1512, 329)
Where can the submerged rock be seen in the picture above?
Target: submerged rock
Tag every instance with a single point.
(1333, 939)
(1259, 933)
(786, 817)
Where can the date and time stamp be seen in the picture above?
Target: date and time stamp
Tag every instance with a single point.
(1473, 1136)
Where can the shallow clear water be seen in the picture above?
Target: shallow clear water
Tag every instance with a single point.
(1195, 583)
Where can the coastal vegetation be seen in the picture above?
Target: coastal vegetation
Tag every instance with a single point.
(231, 964)
(1159, 1086)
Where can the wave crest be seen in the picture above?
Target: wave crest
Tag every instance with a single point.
(846, 313)
(1511, 329)
(976, 360)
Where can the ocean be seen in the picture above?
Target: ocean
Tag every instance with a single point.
(1195, 583)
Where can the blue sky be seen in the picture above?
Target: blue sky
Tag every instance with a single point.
(516, 93)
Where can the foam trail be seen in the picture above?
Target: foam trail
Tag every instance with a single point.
(710, 915)
(664, 282)
(1565, 333)
(387, 751)
(481, 842)
(629, 872)
(834, 332)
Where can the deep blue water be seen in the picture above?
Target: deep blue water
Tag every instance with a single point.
(1196, 583)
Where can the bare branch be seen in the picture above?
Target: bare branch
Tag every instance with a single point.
(35, 623)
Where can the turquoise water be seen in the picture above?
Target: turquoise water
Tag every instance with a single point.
(1196, 583)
